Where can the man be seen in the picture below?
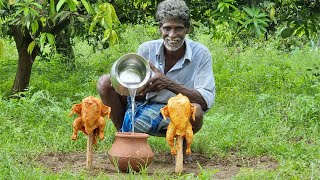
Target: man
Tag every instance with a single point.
(179, 65)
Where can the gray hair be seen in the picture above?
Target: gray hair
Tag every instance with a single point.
(173, 10)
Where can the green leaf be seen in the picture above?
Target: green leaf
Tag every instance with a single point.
(95, 17)
(80, 19)
(261, 15)
(103, 23)
(264, 23)
(299, 31)
(296, 26)
(34, 27)
(248, 11)
(108, 17)
(72, 5)
(60, 3)
(263, 29)
(113, 37)
(25, 11)
(11, 2)
(272, 13)
(75, 2)
(17, 4)
(255, 23)
(46, 49)
(28, 24)
(106, 34)
(71, 20)
(50, 38)
(1, 6)
(249, 21)
(114, 15)
(258, 32)
(233, 7)
(34, 12)
(87, 6)
(222, 8)
(42, 40)
(62, 15)
(18, 12)
(31, 47)
(37, 5)
(255, 11)
(15, 21)
(93, 25)
(108, 21)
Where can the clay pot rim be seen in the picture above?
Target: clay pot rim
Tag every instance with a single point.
(132, 135)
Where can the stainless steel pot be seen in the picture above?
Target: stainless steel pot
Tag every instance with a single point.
(130, 71)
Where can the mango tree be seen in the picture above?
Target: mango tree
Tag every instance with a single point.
(228, 19)
(34, 25)
(301, 18)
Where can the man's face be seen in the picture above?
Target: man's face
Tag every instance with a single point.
(173, 34)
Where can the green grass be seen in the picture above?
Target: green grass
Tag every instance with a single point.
(267, 104)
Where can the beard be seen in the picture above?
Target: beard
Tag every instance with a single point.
(173, 44)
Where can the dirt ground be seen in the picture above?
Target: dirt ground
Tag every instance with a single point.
(163, 162)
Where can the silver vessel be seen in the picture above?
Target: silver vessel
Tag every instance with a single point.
(130, 71)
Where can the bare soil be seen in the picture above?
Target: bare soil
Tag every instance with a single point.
(163, 162)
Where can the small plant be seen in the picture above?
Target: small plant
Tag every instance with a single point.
(206, 173)
(203, 175)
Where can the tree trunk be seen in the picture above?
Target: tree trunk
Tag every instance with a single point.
(22, 39)
(25, 61)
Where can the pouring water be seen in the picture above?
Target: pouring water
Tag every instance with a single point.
(132, 92)
(128, 74)
(131, 79)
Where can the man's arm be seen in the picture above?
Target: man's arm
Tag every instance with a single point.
(193, 95)
(160, 81)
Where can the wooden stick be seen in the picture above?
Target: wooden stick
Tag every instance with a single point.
(89, 151)
(179, 155)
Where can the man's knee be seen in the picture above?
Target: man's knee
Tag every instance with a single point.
(197, 124)
(104, 84)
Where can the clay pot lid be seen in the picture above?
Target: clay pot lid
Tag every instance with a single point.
(132, 135)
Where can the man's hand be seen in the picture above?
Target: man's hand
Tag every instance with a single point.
(160, 81)
(156, 83)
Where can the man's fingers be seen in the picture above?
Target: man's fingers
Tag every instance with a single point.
(150, 85)
(154, 68)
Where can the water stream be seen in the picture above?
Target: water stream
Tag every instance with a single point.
(132, 92)
(131, 79)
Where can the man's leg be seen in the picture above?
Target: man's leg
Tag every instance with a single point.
(112, 99)
(196, 126)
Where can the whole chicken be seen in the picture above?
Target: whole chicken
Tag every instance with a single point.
(179, 110)
(91, 114)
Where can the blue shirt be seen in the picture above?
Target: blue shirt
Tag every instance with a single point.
(193, 70)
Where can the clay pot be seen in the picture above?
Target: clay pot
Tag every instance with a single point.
(131, 151)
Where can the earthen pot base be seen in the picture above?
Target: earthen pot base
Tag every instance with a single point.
(131, 151)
